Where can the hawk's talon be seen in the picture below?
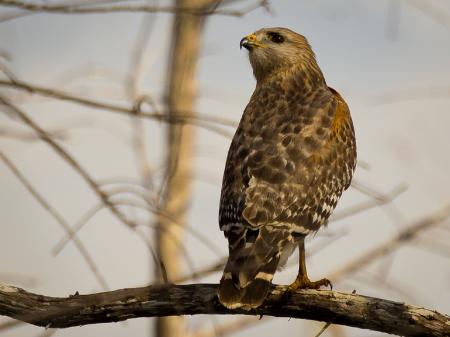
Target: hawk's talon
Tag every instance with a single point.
(303, 282)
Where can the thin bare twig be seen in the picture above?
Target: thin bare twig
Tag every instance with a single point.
(131, 86)
(435, 246)
(132, 190)
(326, 326)
(148, 207)
(376, 201)
(217, 266)
(202, 120)
(78, 225)
(137, 56)
(141, 152)
(69, 159)
(408, 94)
(379, 281)
(5, 69)
(137, 8)
(431, 10)
(21, 13)
(405, 235)
(30, 137)
(59, 219)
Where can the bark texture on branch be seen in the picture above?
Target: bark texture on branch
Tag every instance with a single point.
(328, 306)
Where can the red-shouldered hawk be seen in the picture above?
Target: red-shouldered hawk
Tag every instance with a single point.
(292, 156)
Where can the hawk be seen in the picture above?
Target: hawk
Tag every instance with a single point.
(292, 156)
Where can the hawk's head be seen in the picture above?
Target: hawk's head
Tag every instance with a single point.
(278, 50)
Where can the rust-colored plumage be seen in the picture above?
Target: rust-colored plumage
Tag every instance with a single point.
(292, 156)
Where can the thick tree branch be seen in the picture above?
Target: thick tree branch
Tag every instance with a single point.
(156, 301)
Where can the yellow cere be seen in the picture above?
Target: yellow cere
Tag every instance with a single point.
(252, 38)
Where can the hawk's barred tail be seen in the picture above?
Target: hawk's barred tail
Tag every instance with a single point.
(249, 270)
(232, 296)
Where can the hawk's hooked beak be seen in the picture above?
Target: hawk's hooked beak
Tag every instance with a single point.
(248, 42)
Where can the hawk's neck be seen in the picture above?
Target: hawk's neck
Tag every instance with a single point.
(298, 78)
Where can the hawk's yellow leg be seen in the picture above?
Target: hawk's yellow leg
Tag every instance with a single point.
(302, 281)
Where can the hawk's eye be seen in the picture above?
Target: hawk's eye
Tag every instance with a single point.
(275, 37)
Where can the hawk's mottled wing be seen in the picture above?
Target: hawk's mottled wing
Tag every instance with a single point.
(288, 165)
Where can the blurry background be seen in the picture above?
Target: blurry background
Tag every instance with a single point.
(389, 59)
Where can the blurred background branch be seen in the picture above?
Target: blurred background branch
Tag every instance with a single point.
(187, 8)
